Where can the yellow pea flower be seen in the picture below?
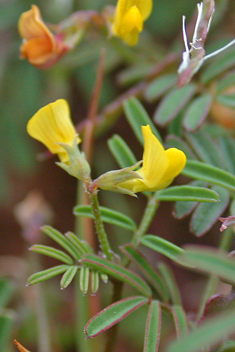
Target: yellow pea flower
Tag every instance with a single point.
(52, 125)
(159, 167)
(40, 46)
(129, 18)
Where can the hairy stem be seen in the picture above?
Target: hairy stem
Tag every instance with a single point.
(102, 236)
(146, 220)
(84, 228)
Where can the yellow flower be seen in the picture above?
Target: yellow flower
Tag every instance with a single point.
(52, 125)
(129, 18)
(40, 46)
(159, 167)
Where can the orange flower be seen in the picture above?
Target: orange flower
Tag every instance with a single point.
(40, 46)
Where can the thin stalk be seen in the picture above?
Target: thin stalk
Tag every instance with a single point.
(146, 220)
(149, 213)
(213, 281)
(150, 210)
(102, 236)
(84, 228)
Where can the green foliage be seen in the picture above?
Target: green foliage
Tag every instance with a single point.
(219, 65)
(117, 271)
(209, 173)
(153, 327)
(107, 215)
(180, 320)
(197, 112)
(62, 241)
(150, 274)
(186, 117)
(52, 252)
(137, 117)
(204, 217)
(122, 153)
(170, 283)
(164, 247)
(187, 193)
(68, 276)
(211, 261)
(46, 274)
(206, 335)
(173, 103)
(159, 86)
(112, 315)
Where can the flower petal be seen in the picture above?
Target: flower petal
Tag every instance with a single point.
(129, 18)
(177, 160)
(130, 26)
(32, 26)
(52, 125)
(37, 50)
(155, 160)
(144, 6)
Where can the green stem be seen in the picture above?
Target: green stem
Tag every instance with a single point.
(102, 236)
(146, 220)
(212, 283)
(83, 227)
(82, 302)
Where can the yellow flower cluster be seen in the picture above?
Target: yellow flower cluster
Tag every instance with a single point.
(52, 125)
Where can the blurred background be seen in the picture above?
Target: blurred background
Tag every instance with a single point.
(25, 168)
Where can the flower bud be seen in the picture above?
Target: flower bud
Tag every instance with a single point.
(111, 180)
(40, 46)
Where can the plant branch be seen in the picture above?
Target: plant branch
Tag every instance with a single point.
(111, 112)
(84, 309)
(102, 236)
(146, 220)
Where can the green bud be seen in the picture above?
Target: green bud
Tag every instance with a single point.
(78, 166)
(110, 180)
